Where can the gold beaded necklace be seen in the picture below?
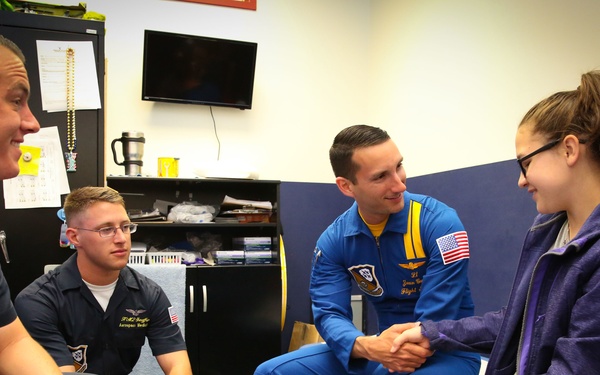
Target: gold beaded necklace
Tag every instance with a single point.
(70, 155)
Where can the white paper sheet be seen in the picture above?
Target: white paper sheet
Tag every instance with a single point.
(52, 61)
(45, 189)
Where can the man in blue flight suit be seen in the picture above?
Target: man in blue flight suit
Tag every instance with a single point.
(407, 253)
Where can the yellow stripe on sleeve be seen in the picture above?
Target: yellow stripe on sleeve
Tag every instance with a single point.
(412, 238)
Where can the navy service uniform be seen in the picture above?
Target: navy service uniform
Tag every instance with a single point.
(7, 311)
(61, 313)
(415, 270)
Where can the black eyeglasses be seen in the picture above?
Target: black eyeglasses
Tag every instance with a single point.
(530, 155)
(112, 231)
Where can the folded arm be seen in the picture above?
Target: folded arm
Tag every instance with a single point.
(22, 355)
(175, 363)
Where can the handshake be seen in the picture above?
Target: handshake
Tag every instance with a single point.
(400, 348)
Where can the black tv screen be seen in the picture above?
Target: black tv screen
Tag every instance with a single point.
(181, 68)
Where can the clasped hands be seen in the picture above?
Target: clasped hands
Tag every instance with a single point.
(400, 348)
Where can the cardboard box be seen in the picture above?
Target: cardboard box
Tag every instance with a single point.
(302, 334)
(259, 260)
(229, 261)
(229, 256)
(252, 240)
(251, 247)
(258, 254)
(253, 218)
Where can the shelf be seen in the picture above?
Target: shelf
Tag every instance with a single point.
(142, 193)
(234, 266)
(142, 224)
(245, 299)
(198, 180)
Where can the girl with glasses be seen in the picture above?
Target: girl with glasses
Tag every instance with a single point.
(551, 323)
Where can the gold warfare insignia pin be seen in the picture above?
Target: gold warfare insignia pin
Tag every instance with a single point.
(411, 265)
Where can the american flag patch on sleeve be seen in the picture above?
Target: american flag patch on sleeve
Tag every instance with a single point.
(173, 315)
(454, 246)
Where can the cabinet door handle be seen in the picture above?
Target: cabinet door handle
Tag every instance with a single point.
(204, 299)
(191, 299)
(3, 244)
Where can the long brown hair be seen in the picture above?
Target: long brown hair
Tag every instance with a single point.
(574, 112)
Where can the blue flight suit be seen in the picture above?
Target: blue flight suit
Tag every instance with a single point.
(416, 270)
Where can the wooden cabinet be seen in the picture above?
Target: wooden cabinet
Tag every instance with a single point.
(233, 313)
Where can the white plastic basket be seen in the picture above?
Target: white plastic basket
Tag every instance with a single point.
(164, 258)
(135, 258)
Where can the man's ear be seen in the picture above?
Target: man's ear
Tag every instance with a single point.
(71, 234)
(345, 186)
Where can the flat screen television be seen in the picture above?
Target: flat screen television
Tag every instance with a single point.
(181, 68)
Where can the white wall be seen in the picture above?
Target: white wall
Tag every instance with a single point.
(449, 80)
(452, 79)
(309, 83)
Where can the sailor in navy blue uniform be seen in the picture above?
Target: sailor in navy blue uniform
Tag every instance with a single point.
(93, 313)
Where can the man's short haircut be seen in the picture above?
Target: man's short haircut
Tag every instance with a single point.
(5, 42)
(79, 200)
(349, 140)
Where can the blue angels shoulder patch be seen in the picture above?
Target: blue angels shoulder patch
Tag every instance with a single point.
(364, 275)
(79, 354)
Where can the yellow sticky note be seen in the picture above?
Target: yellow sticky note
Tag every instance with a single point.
(29, 162)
